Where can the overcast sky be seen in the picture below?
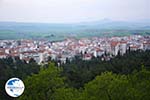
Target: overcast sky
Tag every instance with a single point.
(67, 11)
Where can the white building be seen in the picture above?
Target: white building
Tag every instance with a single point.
(114, 48)
(123, 47)
(146, 46)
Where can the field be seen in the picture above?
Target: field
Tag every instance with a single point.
(55, 32)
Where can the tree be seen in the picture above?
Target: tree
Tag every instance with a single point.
(109, 86)
(66, 94)
(42, 86)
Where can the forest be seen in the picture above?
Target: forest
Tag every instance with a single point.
(124, 77)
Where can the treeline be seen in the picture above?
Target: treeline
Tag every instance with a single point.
(50, 85)
(124, 77)
(14, 67)
(78, 72)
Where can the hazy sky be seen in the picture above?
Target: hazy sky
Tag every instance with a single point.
(66, 11)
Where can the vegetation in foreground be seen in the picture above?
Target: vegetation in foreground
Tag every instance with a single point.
(122, 78)
(49, 85)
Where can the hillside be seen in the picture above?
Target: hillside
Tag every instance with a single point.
(56, 31)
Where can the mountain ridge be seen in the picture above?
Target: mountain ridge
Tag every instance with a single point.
(62, 30)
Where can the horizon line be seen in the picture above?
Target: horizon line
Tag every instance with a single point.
(105, 19)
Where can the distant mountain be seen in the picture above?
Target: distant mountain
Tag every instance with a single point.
(36, 30)
(102, 24)
(109, 24)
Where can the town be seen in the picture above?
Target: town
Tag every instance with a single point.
(41, 50)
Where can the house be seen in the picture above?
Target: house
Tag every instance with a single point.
(123, 47)
(114, 48)
(87, 56)
(26, 60)
(3, 55)
(134, 47)
(98, 52)
(146, 45)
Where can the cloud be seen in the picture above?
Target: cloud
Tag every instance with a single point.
(72, 10)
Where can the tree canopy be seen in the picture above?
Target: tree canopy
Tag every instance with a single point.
(124, 77)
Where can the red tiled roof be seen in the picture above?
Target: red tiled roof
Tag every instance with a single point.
(134, 46)
(146, 42)
(2, 53)
(41, 51)
(114, 43)
(26, 59)
(14, 54)
(98, 49)
(2, 49)
(29, 52)
(87, 55)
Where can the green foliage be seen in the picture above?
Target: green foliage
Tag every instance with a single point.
(110, 86)
(66, 94)
(42, 86)
(79, 72)
(107, 86)
(122, 78)
(56, 32)
(14, 67)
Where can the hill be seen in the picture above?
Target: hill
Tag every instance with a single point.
(60, 31)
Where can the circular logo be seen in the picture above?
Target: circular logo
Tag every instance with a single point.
(14, 87)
